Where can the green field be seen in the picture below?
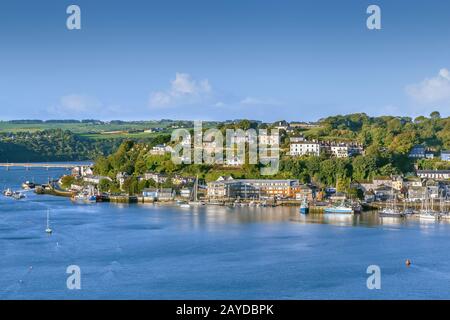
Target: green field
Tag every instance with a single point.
(79, 128)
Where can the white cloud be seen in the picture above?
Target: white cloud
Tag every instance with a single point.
(76, 104)
(183, 90)
(431, 90)
(252, 101)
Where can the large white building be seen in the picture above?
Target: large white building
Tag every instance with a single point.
(305, 148)
(340, 151)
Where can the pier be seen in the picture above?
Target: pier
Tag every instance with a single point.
(42, 165)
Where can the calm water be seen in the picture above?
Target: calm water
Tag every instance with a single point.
(150, 251)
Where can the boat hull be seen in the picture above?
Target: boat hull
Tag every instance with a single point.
(340, 211)
(304, 210)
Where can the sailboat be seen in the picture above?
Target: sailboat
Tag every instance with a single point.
(343, 208)
(48, 229)
(443, 214)
(427, 213)
(392, 211)
(195, 201)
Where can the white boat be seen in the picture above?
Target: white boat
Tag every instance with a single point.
(18, 195)
(427, 212)
(445, 216)
(194, 196)
(184, 205)
(392, 211)
(84, 198)
(48, 229)
(342, 208)
(8, 192)
(428, 215)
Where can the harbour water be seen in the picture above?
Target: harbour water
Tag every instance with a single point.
(145, 251)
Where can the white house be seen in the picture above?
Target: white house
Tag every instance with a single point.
(305, 148)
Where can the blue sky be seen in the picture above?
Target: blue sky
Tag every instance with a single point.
(223, 59)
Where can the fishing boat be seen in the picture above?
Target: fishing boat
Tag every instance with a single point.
(88, 196)
(342, 208)
(84, 198)
(18, 195)
(304, 207)
(27, 185)
(48, 229)
(392, 211)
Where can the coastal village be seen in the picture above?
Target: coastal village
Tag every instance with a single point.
(421, 191)
(424, 191)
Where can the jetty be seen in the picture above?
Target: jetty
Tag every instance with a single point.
(27, 166)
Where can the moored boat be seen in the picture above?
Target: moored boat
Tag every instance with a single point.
(18, 195)
(304, 207)
(342, 208)
(27, 185)
(428, 215)
(392, 211)
(8, 193)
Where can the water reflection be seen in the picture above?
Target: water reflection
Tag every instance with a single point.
(208, 215)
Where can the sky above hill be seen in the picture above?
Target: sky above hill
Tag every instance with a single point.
(223, 59)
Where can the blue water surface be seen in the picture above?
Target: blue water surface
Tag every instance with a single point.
(210, 252)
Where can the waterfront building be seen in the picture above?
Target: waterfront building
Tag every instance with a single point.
(163, 194)
(383, 193)
(253, 188)
(416, 193)
(397, 182)
(185, 193)
(445, 155)
(305, 191)
(434, 174)
(375, 183)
